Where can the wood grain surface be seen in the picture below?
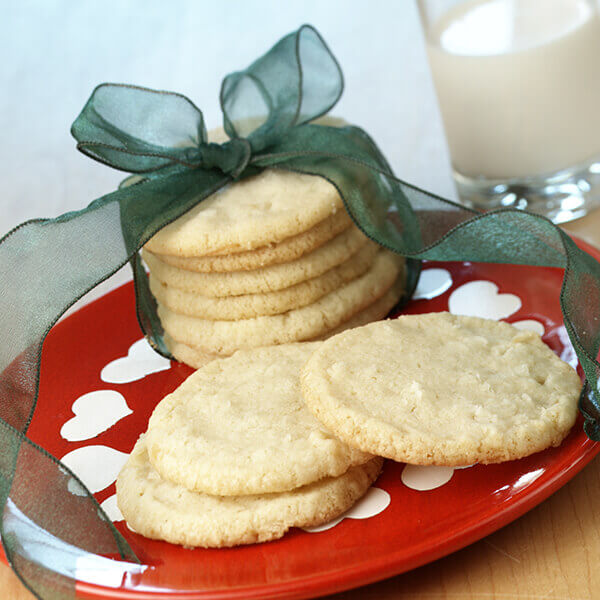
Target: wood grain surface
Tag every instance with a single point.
(550, 553)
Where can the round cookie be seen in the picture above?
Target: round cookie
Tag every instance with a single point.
(239, 426)
(188, 355)
(248, 214)
(225, 337)
(159, 509)
(266, 279)
(442, 389)
(379, 309)
(286, 250)
(247, 306)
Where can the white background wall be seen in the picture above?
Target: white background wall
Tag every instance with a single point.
(54, 52)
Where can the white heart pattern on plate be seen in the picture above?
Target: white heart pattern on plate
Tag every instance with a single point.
(97, 466)
(530, 325)
(372, 503)
(140, 361)
(432, 283)
(481, 299)
(95, 412)
(109, 506)
(424, 478)
(568, 353)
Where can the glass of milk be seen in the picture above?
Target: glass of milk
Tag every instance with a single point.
(518, 85)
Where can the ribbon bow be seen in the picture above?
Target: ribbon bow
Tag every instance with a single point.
(269, 111)
(140, 130)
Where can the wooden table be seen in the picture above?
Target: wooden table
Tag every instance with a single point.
(550, 553)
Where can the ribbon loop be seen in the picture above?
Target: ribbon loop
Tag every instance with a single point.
(296, 82)
(137, 129)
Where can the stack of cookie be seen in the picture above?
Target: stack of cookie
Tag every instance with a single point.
(271, 259)
(233, 456)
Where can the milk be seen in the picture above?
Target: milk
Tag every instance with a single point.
(518, 84)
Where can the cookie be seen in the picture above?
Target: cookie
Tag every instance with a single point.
(225, 337)
(266, 279)
(441, 389)
(246, 306)
(286, 250)
(159, 509)
(186, 354)
(247, 214)
(239, 426)
(374, 312)
(379, 309)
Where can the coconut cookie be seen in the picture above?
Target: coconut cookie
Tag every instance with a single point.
(379, 309)
(225, 337)
(374, 312)
(286, 250)
(251, 213)
(266, 279)
(239, 426)
(188, 355)
(247, 306)
(159, 509)
(442, 389)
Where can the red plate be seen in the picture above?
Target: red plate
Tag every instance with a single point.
(415, 528)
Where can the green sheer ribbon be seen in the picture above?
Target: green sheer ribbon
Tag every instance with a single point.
(53, 530)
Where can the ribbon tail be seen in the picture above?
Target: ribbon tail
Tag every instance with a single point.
(47, 265)
(146, 308)
(48, 557)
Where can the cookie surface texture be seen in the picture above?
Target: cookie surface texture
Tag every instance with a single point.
(442, 389)
(378, 310)
(266, 279)
(247, 214)
(188, 355)
(239, 426)
(313, 320)
(374, 312)
(246, 306)
(159, 509)
(286, 250)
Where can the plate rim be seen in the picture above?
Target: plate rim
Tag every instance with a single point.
(374, 569)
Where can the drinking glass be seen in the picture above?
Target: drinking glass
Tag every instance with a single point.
(518, 86)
